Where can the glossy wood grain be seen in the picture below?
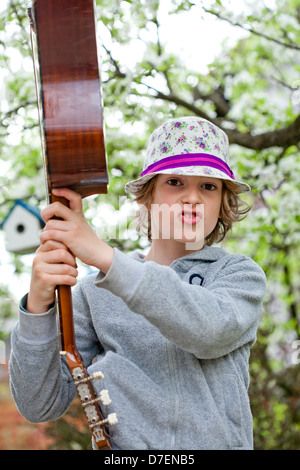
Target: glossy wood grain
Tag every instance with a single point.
(70, 95)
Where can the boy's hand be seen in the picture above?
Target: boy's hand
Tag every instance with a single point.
(61, 241)
(53, 265)
(74, 231)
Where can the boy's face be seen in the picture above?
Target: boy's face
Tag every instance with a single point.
(185, 208)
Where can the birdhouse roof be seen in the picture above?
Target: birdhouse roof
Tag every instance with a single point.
(31, 209)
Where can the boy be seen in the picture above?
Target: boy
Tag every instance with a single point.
(170, 331)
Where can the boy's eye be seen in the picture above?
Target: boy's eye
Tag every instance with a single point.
(174, 182)
(209, 186)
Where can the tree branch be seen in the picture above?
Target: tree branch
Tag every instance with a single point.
(118, 72)
(179, 101)
(217, 96)
(251, 30)
(284, 137)
(15, 110)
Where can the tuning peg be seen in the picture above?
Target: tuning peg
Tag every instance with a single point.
(95, 376)
(105, 398)
(111, 419)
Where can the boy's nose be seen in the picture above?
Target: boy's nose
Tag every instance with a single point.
(192, 196)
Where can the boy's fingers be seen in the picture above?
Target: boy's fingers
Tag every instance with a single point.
(61, 269)
(58, 210)
(75, 200)
(56, 252)
(59, 256)
(50, 245)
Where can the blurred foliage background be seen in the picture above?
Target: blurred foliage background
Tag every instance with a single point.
(250, 88)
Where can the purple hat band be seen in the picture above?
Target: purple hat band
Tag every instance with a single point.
(190, 159)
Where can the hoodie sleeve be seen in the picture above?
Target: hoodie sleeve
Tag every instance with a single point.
(40, 380)
(209, 321)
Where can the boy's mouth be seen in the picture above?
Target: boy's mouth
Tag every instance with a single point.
(190, 217)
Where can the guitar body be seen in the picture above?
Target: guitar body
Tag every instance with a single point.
(71, 122)
(70, 98)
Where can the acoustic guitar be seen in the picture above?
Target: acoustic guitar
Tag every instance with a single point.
(71, 122)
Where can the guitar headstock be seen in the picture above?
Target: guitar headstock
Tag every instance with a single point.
(90, 403)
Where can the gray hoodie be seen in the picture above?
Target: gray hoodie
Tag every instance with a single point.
(173, 343)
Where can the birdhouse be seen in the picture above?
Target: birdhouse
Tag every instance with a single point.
(22, 227)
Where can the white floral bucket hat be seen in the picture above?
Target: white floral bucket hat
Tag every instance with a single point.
(187, 146)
